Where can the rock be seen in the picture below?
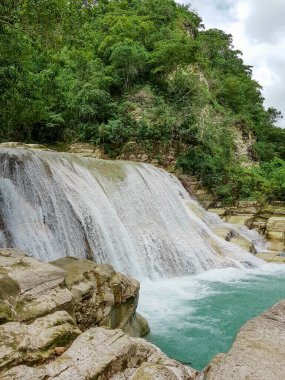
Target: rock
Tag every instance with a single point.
(94, 294)
(229, 234)
(257, 353)
(242, 219)
(29, 288)
(102, 297)
(269, 221)
(271, 257)
(244, 243)
(138, 326)
(59, 351)
(276, 228)
(107, 354)
(219, 211)
(23, 146)
(87, 150)
(36, 342)
(225, 233)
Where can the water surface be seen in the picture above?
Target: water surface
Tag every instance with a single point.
(194, 318)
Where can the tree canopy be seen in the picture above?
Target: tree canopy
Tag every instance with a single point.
(72, 71)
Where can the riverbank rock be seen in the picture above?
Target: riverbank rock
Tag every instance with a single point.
(229, 234)
(107, 354)
(257, 353)
(268, 220)
(102, 297)
(36, 342)
(30, 289)
(48, 314)
(93, 294)
(44, 307)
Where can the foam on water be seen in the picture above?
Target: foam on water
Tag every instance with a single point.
(196, 317)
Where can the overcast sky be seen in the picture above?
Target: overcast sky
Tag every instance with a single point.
(258, 29)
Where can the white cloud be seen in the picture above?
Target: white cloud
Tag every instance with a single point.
(257, 27)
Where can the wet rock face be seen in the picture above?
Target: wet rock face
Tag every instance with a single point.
(269, 222)
(257, 353)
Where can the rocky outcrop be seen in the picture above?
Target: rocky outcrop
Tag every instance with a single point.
(195, 187)
(106, 354)
(244, 145)
(268, 221)
(257, 353)
(101, 296)
(48, 313)
(93, 294)
(36, 342)
(30, 289)
(232, 236)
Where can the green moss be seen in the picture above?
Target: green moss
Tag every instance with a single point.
(21, 265)
(8, 288)
(5, 313)
(75, 269)
(26, 311)
(111, 170)
(62, 338)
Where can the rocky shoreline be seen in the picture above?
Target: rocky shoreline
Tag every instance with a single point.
(76, 319)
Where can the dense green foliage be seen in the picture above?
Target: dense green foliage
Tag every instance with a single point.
(137, 71)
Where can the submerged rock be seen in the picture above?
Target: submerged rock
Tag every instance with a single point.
(257, 353)
(107, 354)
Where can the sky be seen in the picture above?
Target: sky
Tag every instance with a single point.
(258, 30)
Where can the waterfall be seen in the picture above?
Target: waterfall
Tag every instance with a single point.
(134, 216)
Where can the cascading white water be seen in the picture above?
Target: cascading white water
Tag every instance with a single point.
(134, 216)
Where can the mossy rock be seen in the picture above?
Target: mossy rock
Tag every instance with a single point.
(8, 288)
(5, 313)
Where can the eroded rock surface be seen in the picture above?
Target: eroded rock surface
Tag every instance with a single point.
(93, 294)
(107, 354)
(102, 297)
(35, 342)
(257, 353)
(269, 222)
(29, 288)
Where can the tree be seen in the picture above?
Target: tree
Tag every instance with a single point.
(130, 59)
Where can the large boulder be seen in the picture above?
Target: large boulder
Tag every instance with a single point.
(257, 353)
(102, 297)
(94, 294)
(29, 288)
(36, 342)
(107, 355)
